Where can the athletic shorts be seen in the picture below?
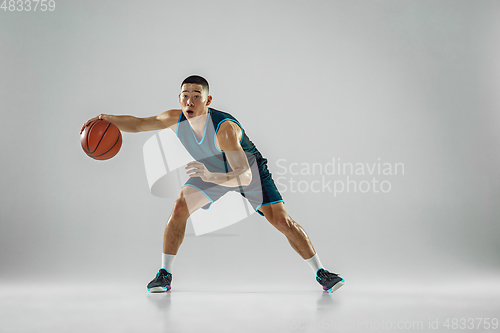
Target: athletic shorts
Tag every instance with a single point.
(260, 192)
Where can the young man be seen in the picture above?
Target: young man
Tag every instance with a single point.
(226, 160)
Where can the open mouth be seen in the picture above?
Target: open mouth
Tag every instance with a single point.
(189, 112)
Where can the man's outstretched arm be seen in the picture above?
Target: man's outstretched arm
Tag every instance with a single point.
(134, 124)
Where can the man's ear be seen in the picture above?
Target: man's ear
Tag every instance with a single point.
(209, 100)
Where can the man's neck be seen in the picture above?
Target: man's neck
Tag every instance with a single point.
(198, 124)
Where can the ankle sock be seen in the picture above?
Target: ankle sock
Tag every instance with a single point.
(314, 262)
(167, 261)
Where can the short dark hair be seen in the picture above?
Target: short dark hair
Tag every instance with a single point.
(196, 79)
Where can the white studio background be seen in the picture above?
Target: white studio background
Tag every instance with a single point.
(411, 82)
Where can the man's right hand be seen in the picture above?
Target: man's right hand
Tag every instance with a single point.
(101, 116)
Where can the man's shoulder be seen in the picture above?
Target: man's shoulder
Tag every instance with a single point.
(169, 118)
(229, 126)
(174, 113)
(169, 115)
(228, 133)
(220, 118)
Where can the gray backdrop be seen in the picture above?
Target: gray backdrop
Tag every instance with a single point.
(408, 82)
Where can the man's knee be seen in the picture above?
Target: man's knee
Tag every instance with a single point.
(190, 199)
(180, 209)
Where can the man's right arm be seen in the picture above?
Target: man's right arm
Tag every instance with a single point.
(134, 124)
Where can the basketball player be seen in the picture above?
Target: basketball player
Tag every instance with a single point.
(226, 160)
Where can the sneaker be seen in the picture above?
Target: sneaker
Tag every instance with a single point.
(329, 281)
(161, 282)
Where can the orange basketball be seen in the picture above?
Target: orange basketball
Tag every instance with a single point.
(101, 140)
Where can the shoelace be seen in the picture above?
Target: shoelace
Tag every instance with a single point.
(324, 274)
(160, 275)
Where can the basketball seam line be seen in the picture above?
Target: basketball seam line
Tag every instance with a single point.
(102, 136)
(87, 139)
(119, 136)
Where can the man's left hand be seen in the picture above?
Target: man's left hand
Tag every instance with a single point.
(198, 169)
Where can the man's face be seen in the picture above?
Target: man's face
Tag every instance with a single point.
(194, 100)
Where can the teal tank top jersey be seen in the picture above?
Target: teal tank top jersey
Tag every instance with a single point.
(261, 191)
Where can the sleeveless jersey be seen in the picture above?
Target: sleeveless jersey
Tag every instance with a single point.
(206, 151)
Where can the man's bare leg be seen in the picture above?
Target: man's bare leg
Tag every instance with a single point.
(276, 214)
(190, 199)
